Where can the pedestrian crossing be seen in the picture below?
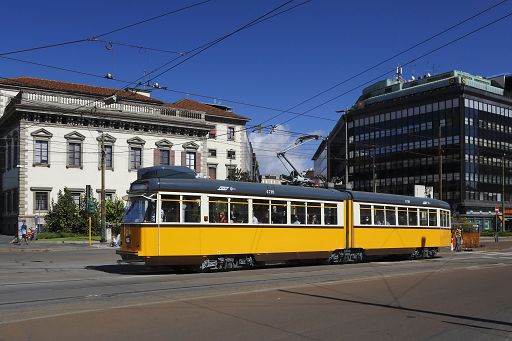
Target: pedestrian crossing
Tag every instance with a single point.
(486, 254)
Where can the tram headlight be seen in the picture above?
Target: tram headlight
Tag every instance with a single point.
(128, 240)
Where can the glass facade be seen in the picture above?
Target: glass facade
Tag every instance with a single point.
(394, 145)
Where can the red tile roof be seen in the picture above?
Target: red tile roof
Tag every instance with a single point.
(208, 109)
(47, 84)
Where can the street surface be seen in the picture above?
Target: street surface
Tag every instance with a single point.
(54, 291)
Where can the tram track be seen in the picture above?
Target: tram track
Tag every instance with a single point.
(268, 279)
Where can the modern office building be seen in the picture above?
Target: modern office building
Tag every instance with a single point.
(451, 131)
(52, 135)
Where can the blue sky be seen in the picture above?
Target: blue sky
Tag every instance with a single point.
(277, 63)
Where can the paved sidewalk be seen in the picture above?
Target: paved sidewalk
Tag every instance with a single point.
(46, 245)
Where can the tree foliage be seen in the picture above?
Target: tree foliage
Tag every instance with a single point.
(239, 175)
(63, 214)
(114, 213)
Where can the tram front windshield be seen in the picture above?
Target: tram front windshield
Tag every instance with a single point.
(140, 210)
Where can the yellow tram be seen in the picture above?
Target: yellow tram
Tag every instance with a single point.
(176, 219)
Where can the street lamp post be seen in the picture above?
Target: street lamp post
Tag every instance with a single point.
(102, 194)
(503, 192)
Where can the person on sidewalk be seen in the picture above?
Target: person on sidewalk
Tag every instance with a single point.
(458, 239)
(24, 231)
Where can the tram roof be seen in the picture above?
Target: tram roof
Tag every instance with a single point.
(183, 179)
(225, 187)
(394, 199)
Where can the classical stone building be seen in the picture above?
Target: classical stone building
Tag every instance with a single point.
(52, 134)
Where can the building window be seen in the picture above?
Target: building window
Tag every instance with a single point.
(212, 171)
(9, 202)
(135, 157)
(213, 133)
(15, 150)
(231, 133)
(212, 152)
(230, 171)
(109, 164)
(41, 203)
(231, 154)
(164, 156)
(74, 154)
(41, 152)
(9, 153)
(74, 149)
(190, 160)
(76, 198)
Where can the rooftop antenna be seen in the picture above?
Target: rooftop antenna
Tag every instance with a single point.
(399, 73)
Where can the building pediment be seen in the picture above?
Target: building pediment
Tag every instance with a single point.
(75, 135)
(42, 133)
(106, 138)
(136, 140)
(190, 146)
(164, 144)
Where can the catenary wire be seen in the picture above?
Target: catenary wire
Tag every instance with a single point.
(104, 33)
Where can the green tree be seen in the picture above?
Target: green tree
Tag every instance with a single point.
(239, 175)
(114, 214)
(63, 215)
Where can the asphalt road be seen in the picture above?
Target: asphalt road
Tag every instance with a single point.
(51, 291)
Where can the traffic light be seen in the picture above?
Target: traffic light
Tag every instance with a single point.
(90, 207)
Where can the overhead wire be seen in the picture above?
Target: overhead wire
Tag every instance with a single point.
(136, 83)
(407, 63)
(97, 36)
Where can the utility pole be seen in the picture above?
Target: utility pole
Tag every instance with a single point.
(346, 149)
(373, 172)
(503, 192)
(440, 155)
(102, 199)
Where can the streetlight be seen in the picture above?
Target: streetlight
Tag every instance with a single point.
(102, 194)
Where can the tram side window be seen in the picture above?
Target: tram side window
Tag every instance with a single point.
(446, 216)
(413, 216)
(314, 213)
(239, 211)
(298, 212)
(365, 215)
(432, 217)
(218, 210)
(191, 209)
(150, 216)
(279, 212)
(170, 210)
(378, 215)
(260, 211)
(423, 218)
(402, 216)
(330, 214)
(390, 215)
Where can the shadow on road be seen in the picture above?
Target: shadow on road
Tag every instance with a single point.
(136, 269)
(435, 313)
